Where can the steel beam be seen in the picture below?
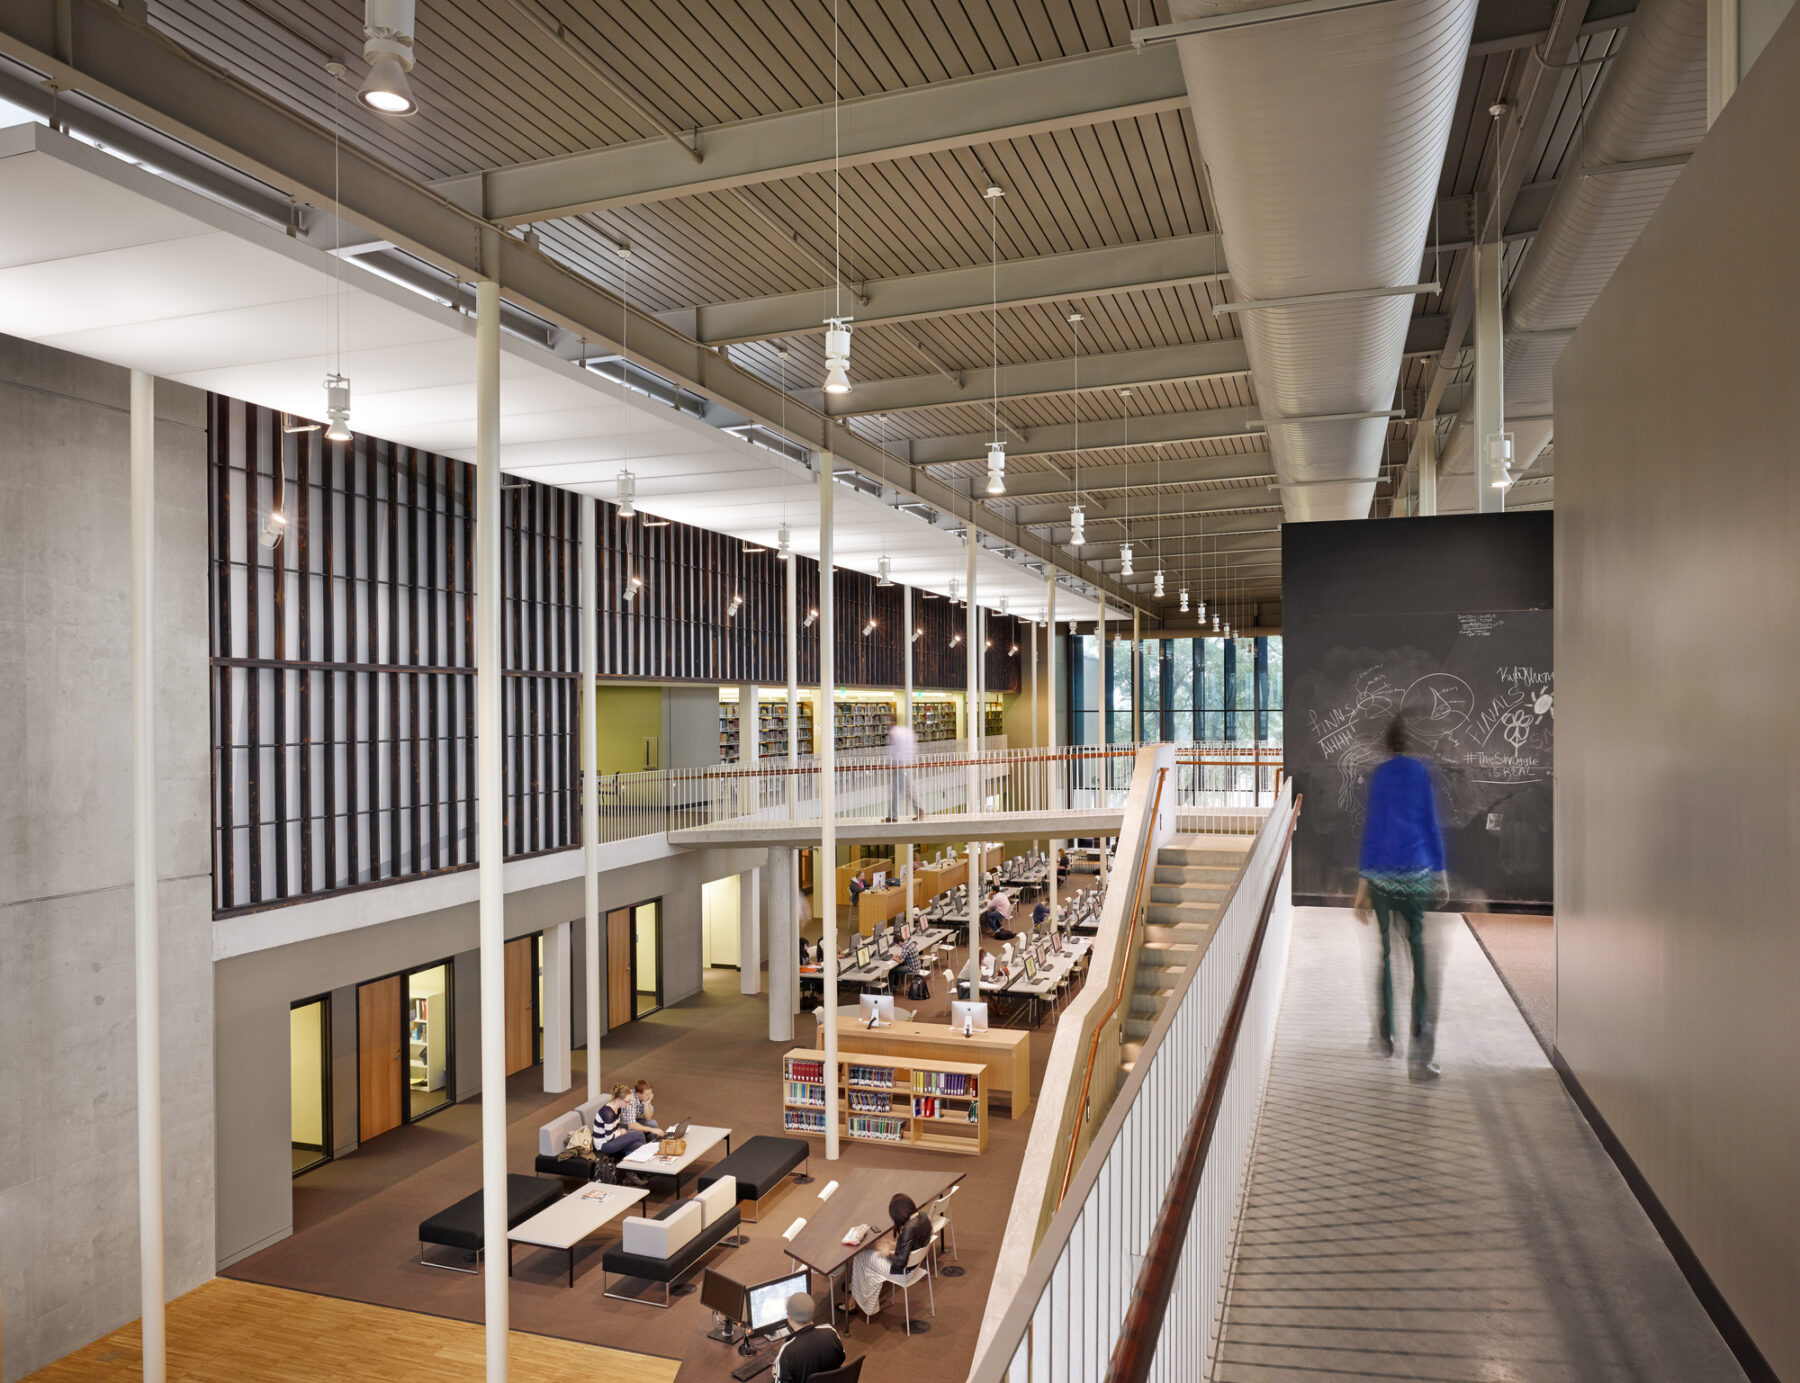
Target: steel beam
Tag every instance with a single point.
(1167, 506)
(1100, 480)
(1105, 434)
(93, 48)
(1020, 283)
(985, 108)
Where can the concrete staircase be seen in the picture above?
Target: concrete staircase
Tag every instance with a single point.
(1187, 889)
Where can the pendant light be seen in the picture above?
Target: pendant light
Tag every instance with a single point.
(627, 494)
(996, 455)
(785, 544)
(1125, 568)
(1157, 579)
(837, 326)
(1184, 598)
(1077, 515)
(388, 49)
(885, 566)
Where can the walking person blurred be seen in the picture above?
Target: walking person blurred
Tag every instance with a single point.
(1401, 870)
(903, 752)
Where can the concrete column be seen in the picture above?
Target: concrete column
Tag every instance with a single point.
(793, 683)
(558, 1041)
(1105, 676)
(1428, 467)
(784, 943)
(971, 684)
(1490, 374)
(824, 879)
(912, 656)
(750, 931)
(146, 928)
(490, 846)
(1137, 678)
(749, 729)
(590, 775)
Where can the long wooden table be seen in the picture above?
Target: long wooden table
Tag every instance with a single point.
(1006, 1052)
(861, 1198)
(930, 880)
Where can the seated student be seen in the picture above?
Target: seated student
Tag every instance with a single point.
(858, 886)
(992, 924)
(981, 963)
(910, 1231)
(811, 1349)
(642, 1111)
(613, 1134)
(907, 965)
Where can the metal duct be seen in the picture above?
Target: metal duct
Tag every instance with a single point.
(1651, 105)
(1323, 137)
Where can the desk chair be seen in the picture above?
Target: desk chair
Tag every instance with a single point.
(848, 1374)
(941, 1225)
(908, 1279)
(949, 990)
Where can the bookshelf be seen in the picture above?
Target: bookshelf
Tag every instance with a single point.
(728, 732)
(940, 1106)
(993, 721)
(771, 730)
(863, 724)
(934, 721)
(424, 1047)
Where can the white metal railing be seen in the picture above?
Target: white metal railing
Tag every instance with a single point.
(1218, 788)
(1066, 1315)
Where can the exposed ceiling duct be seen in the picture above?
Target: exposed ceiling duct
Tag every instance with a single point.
(1648, 115)
(1323, 137)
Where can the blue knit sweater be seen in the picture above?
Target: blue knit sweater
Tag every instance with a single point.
(1401, 832)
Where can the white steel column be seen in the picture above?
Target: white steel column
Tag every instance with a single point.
(1137, 679)
(906, 719)
(750, 930)
(1105, 685)
(148, 987)
(1428, 467)
(912, 656)
(558, 1059)
(1490, 375)
(981, 643)
(787, 955)
(972, 678)
(490, 847)
(1052, 768)
(590, 796)
(784, 942)
(825, 877)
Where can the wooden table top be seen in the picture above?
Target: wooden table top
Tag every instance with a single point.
(861, 1198)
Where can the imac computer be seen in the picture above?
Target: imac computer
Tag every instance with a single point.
(768, 1302)
(863, 955)
(877, 1011)
(966, 1015)
(1031, 967)
(727, 1299)
(879, 880)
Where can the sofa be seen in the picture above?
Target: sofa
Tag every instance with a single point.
(757, 1168)
(553, 1135)
(459, 1226)
(667, 1246)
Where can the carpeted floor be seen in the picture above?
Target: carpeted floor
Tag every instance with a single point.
(356, 1219)
(1523, 950)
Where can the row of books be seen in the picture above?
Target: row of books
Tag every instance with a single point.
(803, 1121)
(943, 1083)
(804, 1092)
(810, 1071)
(869, 1102)
(882, 1076)
(887, 1130)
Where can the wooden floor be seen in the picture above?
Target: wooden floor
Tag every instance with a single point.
(244, 1332)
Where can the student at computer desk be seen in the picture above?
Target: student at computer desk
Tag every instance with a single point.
(810, 1349)
(910, 1231)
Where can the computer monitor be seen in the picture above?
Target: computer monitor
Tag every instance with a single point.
(905, 931)
(722, 1295)
(1031, 967)
(768, 1302)
(862, 955)
(880, 1007)
(967, 1012)
(880, 879)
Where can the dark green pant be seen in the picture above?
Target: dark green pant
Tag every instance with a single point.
(1410, 913)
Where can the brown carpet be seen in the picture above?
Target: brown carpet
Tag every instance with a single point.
(356, 1219)
(1523, 951)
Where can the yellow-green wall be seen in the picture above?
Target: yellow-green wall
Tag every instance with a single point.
(623, 718)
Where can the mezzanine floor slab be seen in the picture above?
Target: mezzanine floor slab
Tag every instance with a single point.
(952, 827)
(1465, 1229)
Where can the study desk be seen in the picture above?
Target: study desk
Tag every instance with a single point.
(1006, 1052)
(572, 1219)
(646, 1161)
(861, 1198)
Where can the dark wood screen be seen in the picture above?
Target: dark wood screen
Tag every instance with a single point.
(343, 684)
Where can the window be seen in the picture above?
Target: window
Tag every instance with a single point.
(1205, 690)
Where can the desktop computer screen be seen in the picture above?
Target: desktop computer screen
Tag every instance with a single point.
(967, 1011)
(1031, 967)
(880, 879)
(880, 1007)
(768, 1301)
(722, 1295)
(862, 957)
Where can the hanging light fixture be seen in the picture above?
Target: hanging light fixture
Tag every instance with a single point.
(1157, 587)
(884, 565)
(737, 603)
(837, 355)
(1125, 545)
(337, 408)
(632, 588)
(869, 628)
(955, 588)
(812, 616)
(996, 468)
(274, 523)
(388, 49)
(1004, 602)
(837, 326)
(627, 494)
(996, 454)
(1125, 560)
(785, 545)
(1077, 525)
(1184, 598)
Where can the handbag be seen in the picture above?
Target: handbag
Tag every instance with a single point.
(672, 1147)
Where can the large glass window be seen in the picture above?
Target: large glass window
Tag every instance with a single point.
(1153, 672)
(1084, 689)
(428, 1040)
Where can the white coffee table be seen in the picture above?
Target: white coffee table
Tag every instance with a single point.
(647, 1162)
(572, 1219)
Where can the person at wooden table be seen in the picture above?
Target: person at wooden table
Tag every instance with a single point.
(857, 887)
(909, 1232)
(809, 1349)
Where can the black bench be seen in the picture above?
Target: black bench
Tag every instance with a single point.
(760, 1165)
(459, 1227)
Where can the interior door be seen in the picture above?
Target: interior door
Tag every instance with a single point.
(618, 968)
(380, 1071)
(518, 1004)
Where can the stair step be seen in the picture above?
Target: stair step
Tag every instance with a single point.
(1177, 915)
(1228, 860)
(1163, 956)
(1139, 1027)
(1181, 891)
(1150, 1001)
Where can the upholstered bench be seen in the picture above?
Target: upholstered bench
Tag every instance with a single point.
(669, 1245)
(758, 1167)
(553, 1136)
(459, 1227)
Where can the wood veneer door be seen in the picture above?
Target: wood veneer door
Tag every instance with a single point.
(518, 1004)
(380, 1072)
(618, 968)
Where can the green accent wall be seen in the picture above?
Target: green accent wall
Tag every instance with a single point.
(624, 717)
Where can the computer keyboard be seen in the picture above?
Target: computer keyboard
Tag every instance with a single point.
(756, 1363)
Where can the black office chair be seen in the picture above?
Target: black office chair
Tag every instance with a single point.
(848, 1374)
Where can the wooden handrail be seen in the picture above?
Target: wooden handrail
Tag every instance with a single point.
(1136, 1349)
(1125, 979)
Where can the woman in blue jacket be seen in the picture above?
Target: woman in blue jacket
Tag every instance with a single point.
(1402, 870)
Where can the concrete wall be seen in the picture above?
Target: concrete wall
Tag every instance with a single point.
(1678, 654)
(252, 994)
(68, 1078)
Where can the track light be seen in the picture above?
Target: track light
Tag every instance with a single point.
(1157, 587)
(812, 616)
(1215, 621)
(273, 526)
(1125, 559)
(885, 566)
(388, 49)
(868, 629)
(632, 588)
(337, 408)
(291, 424)
(1077, 525)
(737, 602)
(996, 468)
(1500, 458)
(837, 355)
(784, 548)
(1003, 604)
(627, 493)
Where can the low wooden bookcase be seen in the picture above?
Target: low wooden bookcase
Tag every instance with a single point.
(937, 1105)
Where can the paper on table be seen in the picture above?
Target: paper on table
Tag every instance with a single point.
(645, 1152)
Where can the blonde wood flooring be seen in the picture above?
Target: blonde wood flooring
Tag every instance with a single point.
(243, 1332)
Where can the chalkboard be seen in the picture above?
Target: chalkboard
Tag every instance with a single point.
(1475, 687)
